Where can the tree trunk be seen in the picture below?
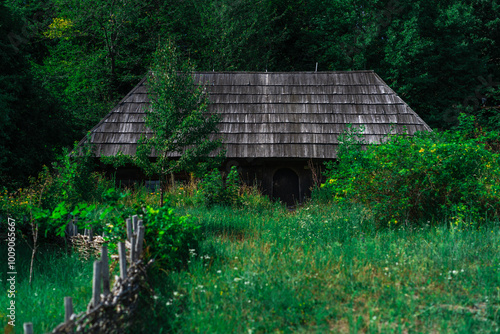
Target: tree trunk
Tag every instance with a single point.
(34, 229)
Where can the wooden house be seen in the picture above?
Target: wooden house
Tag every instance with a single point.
(273, 124)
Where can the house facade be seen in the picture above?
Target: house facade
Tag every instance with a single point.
(275, 126)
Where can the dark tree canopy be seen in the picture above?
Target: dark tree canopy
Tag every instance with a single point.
(32, 124)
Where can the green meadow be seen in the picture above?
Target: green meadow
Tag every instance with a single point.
(322, 268)
(318, 268)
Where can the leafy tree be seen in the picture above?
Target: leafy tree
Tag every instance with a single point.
(98, 51)
(178, 121)
(32, 124)
(227, 35)
(433, 59)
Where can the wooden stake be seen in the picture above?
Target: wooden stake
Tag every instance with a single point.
(28, 328)
(129, 228)
(122, 253)
(75, 226)
(132, 249)
(134, 223)
(105, 270)
(96, 283)
(140, 238)
(68, 308)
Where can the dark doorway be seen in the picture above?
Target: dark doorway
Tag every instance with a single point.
(286, 186)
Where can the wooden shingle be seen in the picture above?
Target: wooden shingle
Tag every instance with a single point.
(275, 115)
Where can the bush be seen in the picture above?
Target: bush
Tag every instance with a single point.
(170, 238)
(427, 177)
(214, 191)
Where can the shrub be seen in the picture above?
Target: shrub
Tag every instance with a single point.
(427, 177)
(170, 238)
(214, 191)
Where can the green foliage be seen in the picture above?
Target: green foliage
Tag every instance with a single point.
(29, 114)
(69, 188)
(178, 119)
(212, 188)
(214, 191)
(428, 177)
(95, 53)
(170, 238)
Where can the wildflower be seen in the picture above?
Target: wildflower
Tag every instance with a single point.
(421, 150)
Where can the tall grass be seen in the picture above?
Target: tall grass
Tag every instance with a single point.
(323, 268)
(56, 275)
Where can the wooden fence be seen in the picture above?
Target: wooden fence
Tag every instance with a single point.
(110, 309)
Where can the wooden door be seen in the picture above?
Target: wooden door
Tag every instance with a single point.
(286, 186)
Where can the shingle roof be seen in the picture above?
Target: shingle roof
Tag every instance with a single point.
(275, 115)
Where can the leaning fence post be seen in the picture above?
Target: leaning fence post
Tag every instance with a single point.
(28, 328)
(122, 253)
(105, 270)
(96, 283)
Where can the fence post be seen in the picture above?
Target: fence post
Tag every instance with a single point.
(140, 238)
(28, 328)
(129, 228)
(68, 308)
(132, 249)
(122, 253)
(134, 223)
(105, 269)
(75, 226)
(96, 283)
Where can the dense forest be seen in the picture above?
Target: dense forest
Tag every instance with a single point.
(65, 63)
